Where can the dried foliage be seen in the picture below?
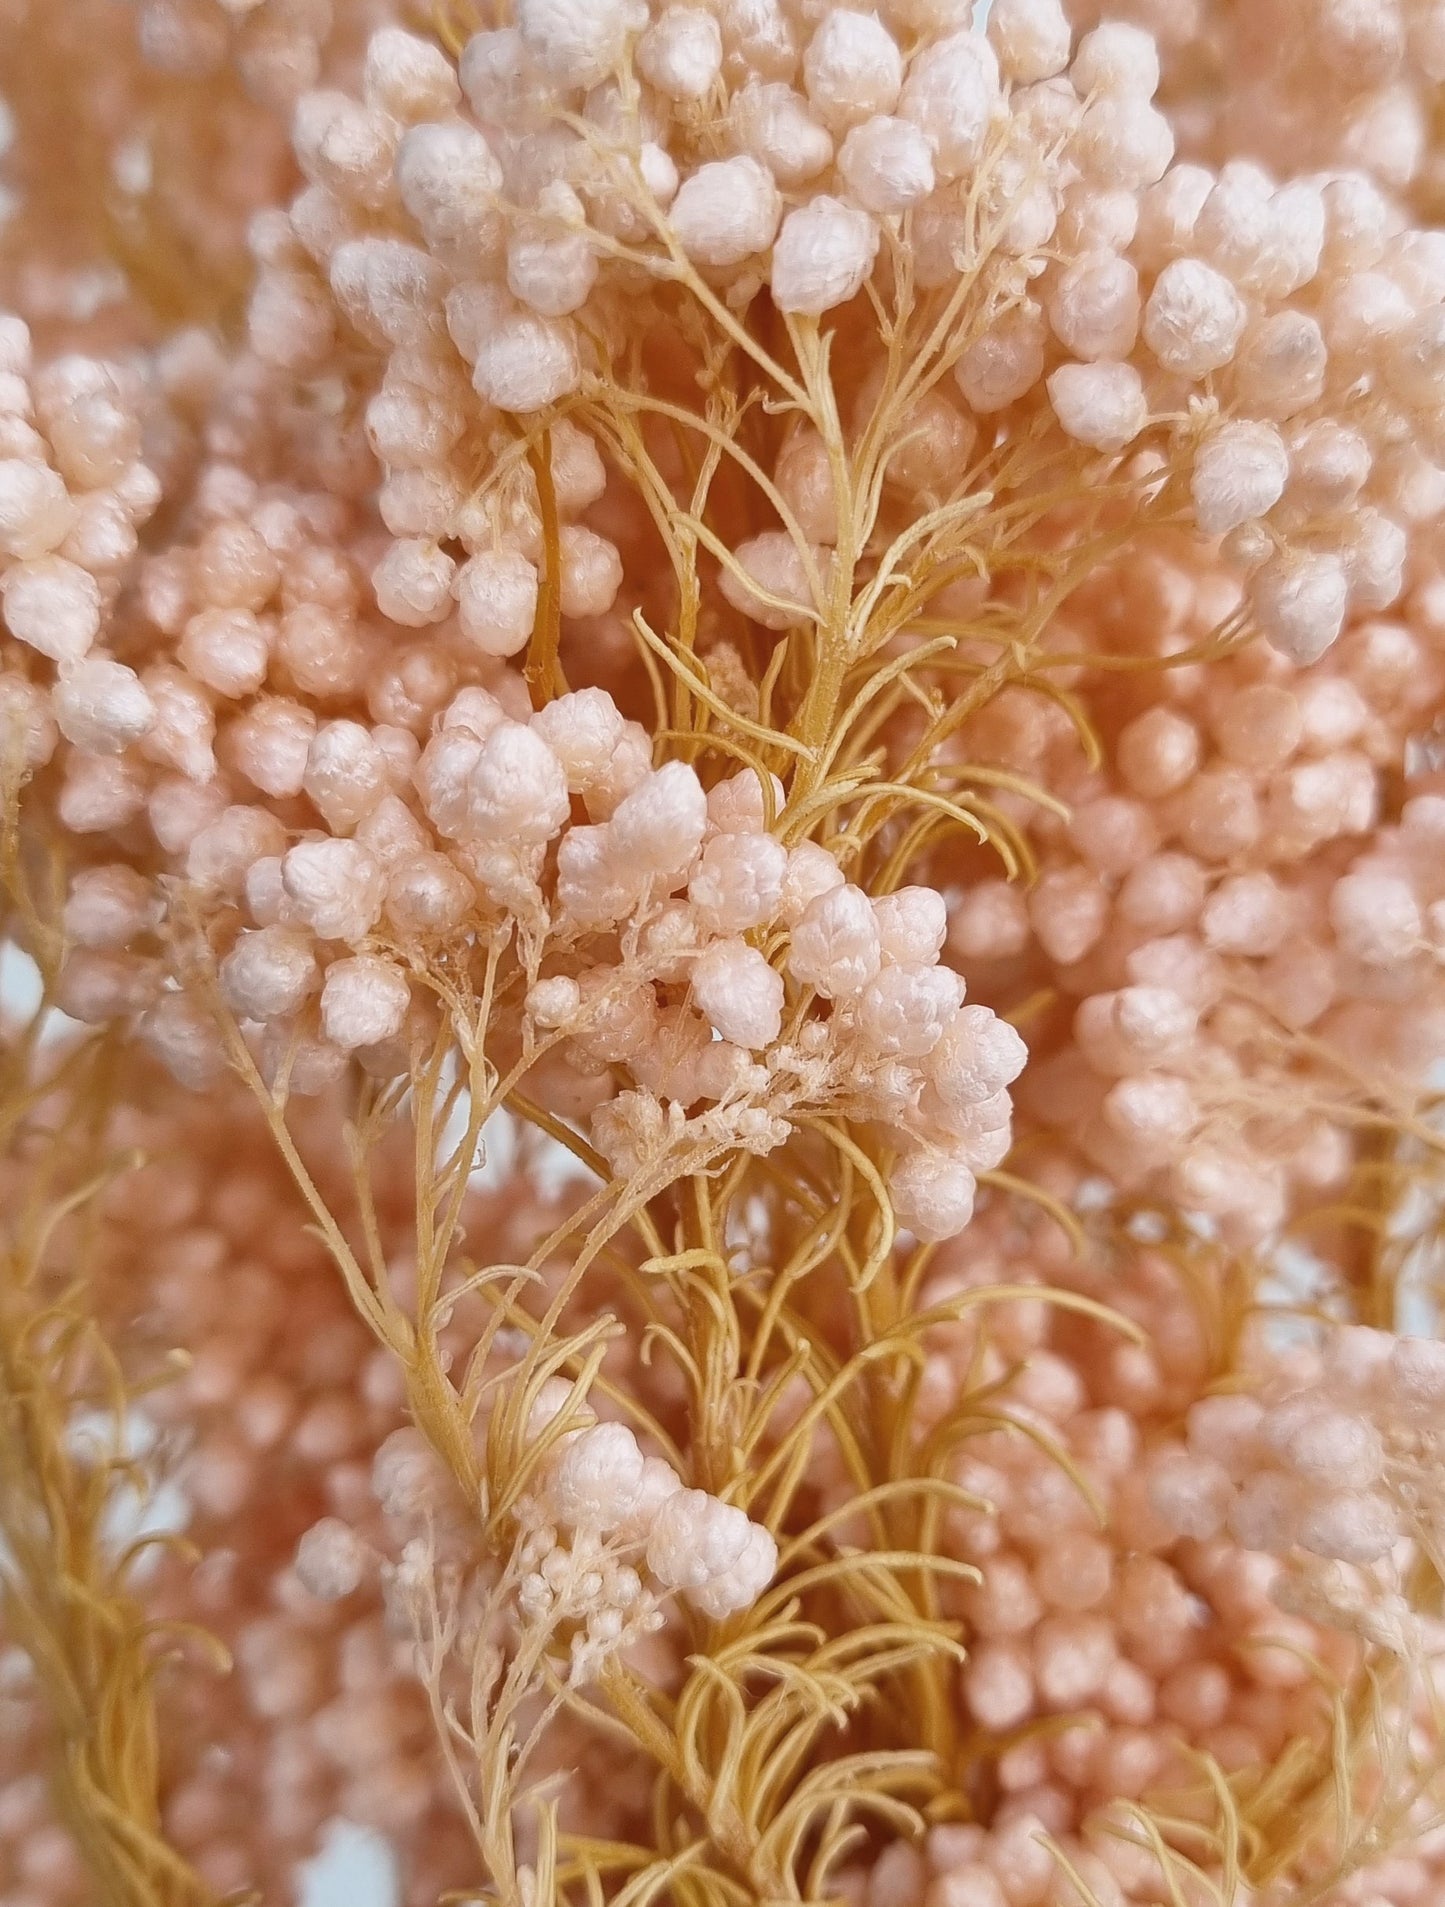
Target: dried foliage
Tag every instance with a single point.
(732, 1452)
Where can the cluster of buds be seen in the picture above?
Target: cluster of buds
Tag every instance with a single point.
(1340, 1465)
(603, 1500)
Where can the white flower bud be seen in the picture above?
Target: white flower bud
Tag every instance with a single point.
(346, 774)
(598, 1479)
(497, 600)
(1031, 38)
(852, 68)
(711, 1551)
(774, 125)
(1123, 143)
(591, 572)
(1240, 471)
(726, 211)
(330, 1560)
(578, 42)
(736, 805)
(1375, 560)
(977, 1057)
(517, 792)
(1006, 362)
(413, 583)
(681, 53)
(554, 1002)
(525, 363)
(268, 973)
(658, 829)
(583, 729)
(426, 894)
(389, 290)
(823, 256)
(739, 881)
(103, 707)
(1376, 918)
(363, 1002)
(227, 649)
(1116, 58)
(336, 887)
(51, 605)
(1299, 601)
(951, 95)
(1094, 306)
(1194, 318)
(903, 1012)
(450, 182)
(744, 1581)
(739, 994)
(912, 925)
(408, 77)
(594, 886)
(36, 512)
(887, 165)
(1133, 1028)
(932, 1193)
(836, 946)
(1102, 405)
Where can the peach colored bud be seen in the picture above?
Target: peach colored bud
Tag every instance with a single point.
(363, 1002)
(822, 256)
(1102, 405)
(739, 993)
(336, 887)
(836, 946)
(330, 1560)
(852, 68)
(268, 973)
(932, 1193)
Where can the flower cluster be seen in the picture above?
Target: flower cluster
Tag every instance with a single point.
(480, 228)
(720, 749)
(696, 884)
(1340, 1465)
(1186, 910)
(602, 1486)
(1345, 83)
(272, 1422)
(73, 493)
(875, 1024)
(1145, 1603)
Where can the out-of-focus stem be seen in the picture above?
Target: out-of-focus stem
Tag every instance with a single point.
(65, 1602)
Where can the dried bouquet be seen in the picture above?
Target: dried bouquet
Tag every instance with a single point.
(723, 952)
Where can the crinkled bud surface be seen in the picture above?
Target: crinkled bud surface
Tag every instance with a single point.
(659, 826)
(836, 947)
(739, 993)
(823, 255)
(710, 1551)
(598, 1479)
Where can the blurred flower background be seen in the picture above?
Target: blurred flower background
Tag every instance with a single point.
(722, 953)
